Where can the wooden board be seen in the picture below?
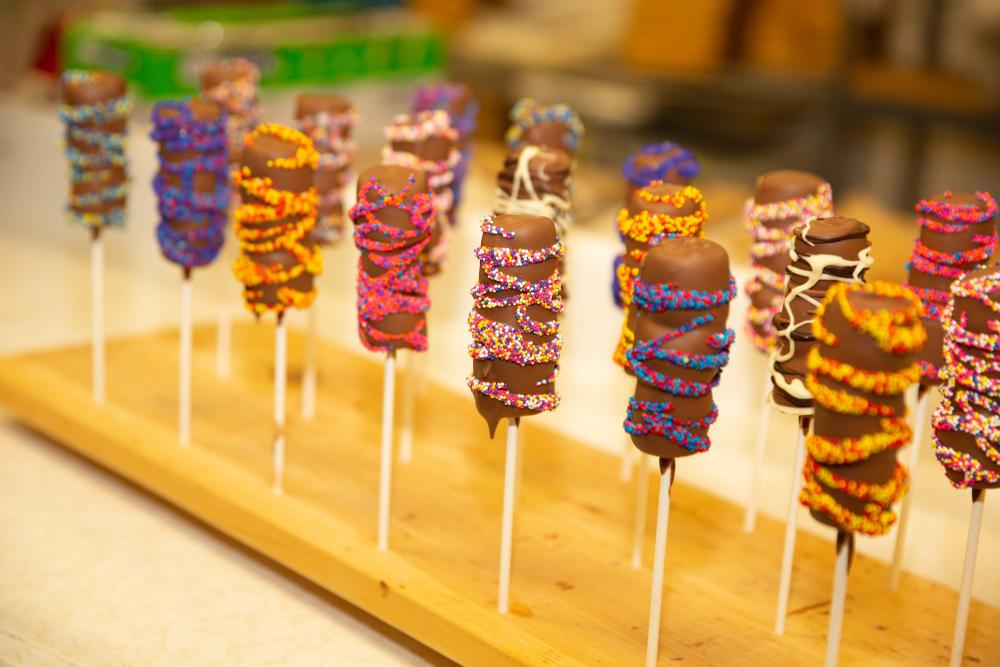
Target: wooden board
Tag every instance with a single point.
(575, 598)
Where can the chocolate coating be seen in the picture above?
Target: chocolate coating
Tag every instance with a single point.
(776, 186)
(530, 233)
(98, 87)
(440, 149)
(233, 83)
(688, 264)
(825, 251)
(205, 182)
(536, 182)
(310, 104)
(395, 179)
(948, 244)
(255, 158)
(858, 349)
(333, 141)
(979, 319)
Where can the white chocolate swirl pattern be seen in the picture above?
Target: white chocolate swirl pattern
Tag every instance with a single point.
(816, 271)
(546, 204)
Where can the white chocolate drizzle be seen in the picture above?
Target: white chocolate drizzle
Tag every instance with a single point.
(546, 205)
(818, 264)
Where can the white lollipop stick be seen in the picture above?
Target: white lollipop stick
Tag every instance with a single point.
(385, 463)
(97, 316)
(659, 555)
(641, 495)
(919, 426)
(184, 400)
(507, 523)
(785, 583)
(406, 412)
(223, 335)
(280, 372)
(844, 547)
(968, 570)
(309, 365)
(757, 478)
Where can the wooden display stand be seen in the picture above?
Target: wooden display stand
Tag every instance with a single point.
(575, 598)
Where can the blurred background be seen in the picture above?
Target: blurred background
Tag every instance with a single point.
(896, 98)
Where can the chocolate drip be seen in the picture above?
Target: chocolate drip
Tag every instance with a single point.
(680, 265)
(825, 251)
(497, 361)
(329, 120)
(967, 422)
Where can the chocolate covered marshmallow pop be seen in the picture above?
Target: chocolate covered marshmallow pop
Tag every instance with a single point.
(392, 227)
(427, 141)
(192, 190)
(967, 422)
(556, 126)
(328, 120)
(95, 108)
(859, 370)
(782, 200)
(662, 161)
(515, 339)
(655, 212)
(279, 260)
(864, 361)
(681, 300)
(957, 235)
(825, 252)
(233, 84)
(192, 185)
(457, 100)
(515, 331)
(536, 181)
